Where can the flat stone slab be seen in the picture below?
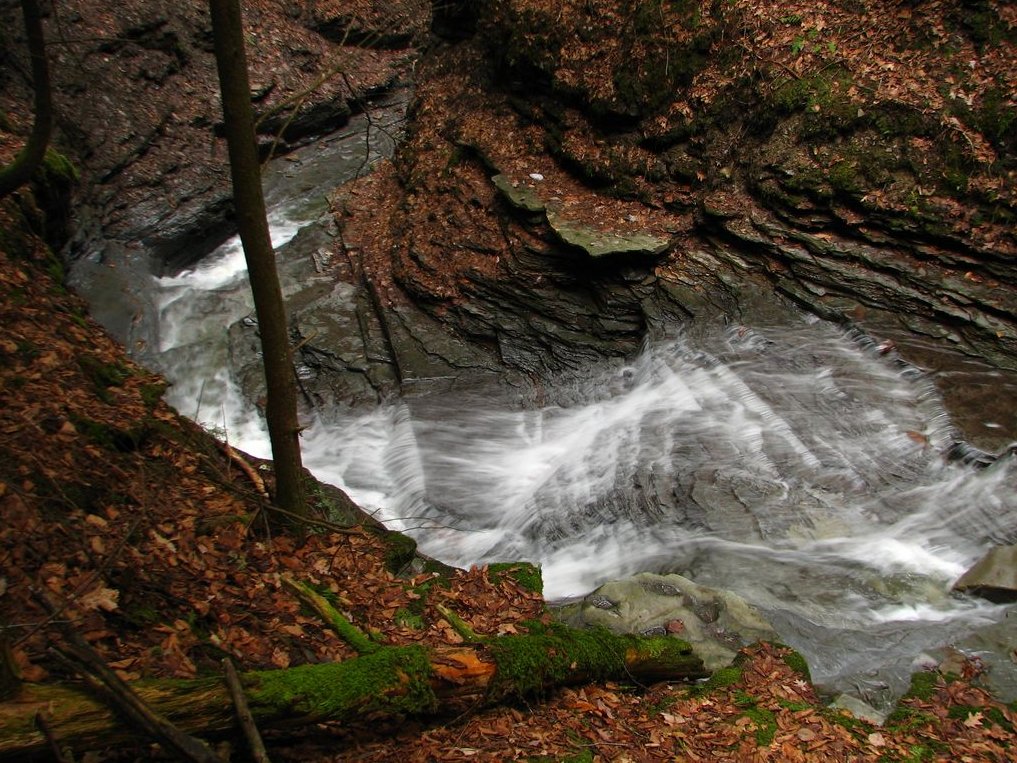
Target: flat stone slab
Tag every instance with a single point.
(994, 576)
(519, 195)
(597, 243)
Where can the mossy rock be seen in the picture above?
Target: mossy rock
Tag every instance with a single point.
(400, 551)
(717, 623)
(525, 574)
(545, 655)
(333, 502)
(58, 170)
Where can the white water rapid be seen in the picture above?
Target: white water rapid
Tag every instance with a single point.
(795, 465)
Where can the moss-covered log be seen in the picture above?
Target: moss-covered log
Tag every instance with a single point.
(392, 681)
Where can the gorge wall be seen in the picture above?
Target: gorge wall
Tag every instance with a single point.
(578, 175)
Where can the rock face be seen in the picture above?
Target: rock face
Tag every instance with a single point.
(554, 200)
(716, 623)
(994, 577)
(138, 96)
(679, 152)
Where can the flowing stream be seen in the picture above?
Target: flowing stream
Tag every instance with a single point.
(795, 465)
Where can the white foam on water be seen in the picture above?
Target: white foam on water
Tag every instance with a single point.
(794, 465)
(783, 440)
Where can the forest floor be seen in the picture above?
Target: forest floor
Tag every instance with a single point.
(151, 538)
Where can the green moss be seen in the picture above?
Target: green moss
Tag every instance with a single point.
(898, 120)
(528, 663)
(141, 615)
(843, 177)
(331, 502)
(58, 169)
(407, 619)
(795, 706)
(110, 437)
(918, 753)
(392, 679)
(583, 756)
(996, 117)
(103, 375)
(906, 718)
(797, 663)
(152, 392)
(742, 698)
(724, 677)
(525, 574)
(665, 702)
(325, 608)
(982, 24)
(766, 724)
(645, 89)
(27, 350)
(764, 719)
(989, 715)
(790, 95)
(858, 727)
(923, 685)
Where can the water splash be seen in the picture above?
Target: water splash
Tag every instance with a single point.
(796, 465)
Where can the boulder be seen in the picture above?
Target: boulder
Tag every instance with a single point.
(994, 576)
(716, 623)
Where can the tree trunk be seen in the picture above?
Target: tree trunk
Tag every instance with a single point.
(20, 171)
(391, 682)
(252, 223)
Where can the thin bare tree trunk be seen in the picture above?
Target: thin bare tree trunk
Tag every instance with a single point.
(245, 169)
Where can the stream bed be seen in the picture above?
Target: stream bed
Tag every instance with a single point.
(793, 463)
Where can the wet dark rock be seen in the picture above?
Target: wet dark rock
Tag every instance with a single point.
(656, 630)
(946, 292)
(599, 601)
(966, 453)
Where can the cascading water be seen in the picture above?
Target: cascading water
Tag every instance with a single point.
(795, 465)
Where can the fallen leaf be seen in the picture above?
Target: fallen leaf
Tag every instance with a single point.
(100, 598)
(973, 720)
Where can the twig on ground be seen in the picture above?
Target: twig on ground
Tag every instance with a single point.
(340, 624)
(60, 754)
(254, 742)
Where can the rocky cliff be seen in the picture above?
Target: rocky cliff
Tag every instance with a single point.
(579, 174)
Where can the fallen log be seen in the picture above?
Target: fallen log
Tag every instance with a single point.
(393, 681)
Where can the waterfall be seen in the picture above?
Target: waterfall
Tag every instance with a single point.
(794, 464)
